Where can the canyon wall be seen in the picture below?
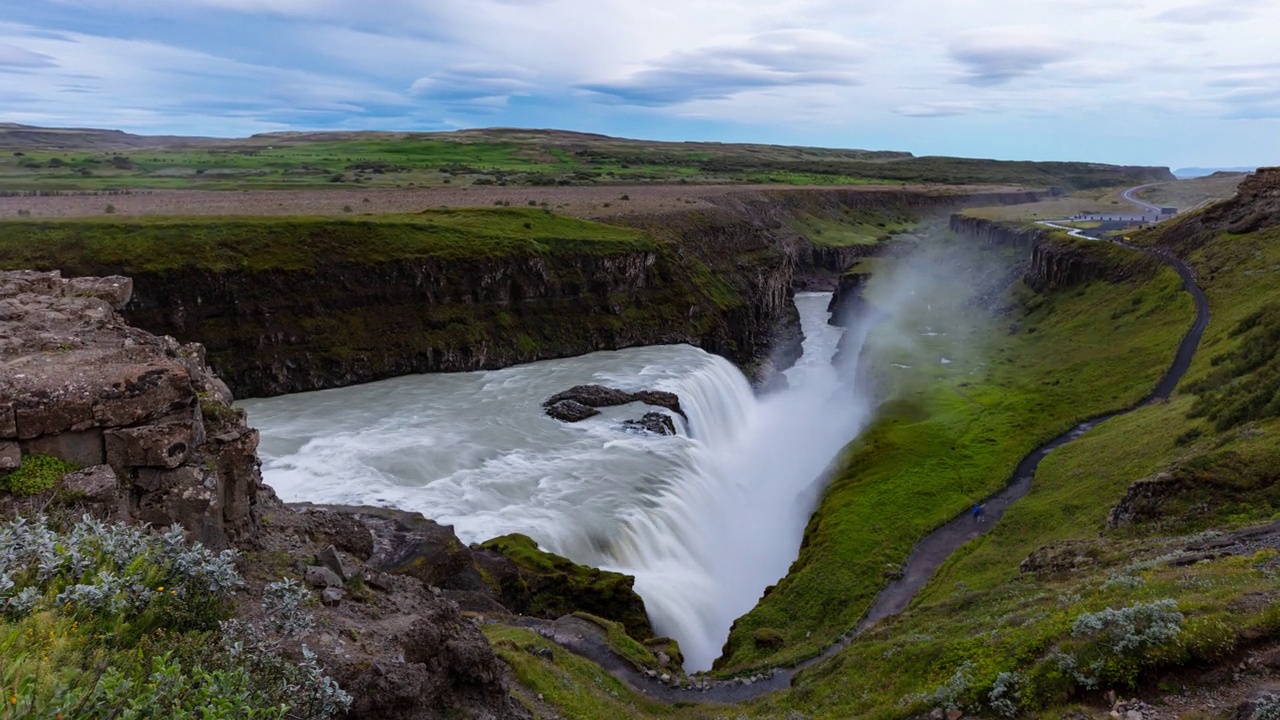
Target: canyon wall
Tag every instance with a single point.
(720, 278)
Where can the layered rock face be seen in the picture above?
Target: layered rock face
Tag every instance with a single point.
(142, 414)
(1050, 265)
(1255, 206)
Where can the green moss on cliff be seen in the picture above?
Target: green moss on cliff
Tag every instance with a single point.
(554, 586)
(255, 244)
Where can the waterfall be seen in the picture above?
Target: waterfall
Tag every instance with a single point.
(705, 520)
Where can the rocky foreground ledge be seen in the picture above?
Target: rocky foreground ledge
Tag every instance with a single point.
(144, 418)
(103, 419)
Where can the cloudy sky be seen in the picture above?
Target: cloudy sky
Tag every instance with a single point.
(1167, 82)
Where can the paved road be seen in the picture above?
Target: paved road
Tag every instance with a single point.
(1144, 205)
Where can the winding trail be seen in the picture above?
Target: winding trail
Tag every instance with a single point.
(928, 554)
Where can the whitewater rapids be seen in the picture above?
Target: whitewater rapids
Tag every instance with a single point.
(704, 520)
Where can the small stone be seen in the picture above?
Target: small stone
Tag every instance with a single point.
(665, 678)
(97, 484)
(378, 580)
(331, 597)
(937, 714)
(1133, 715)
(955, 714)
(10, 455)
(1111, 698)
(329, 558)
(317, 576)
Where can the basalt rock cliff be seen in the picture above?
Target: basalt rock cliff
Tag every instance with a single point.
(148, 422)
(1053, 260)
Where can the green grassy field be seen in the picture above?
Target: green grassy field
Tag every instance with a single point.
(155, 245)
(494, 157)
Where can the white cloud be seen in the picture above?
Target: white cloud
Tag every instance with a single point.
(781, 58)
(996, 77)
(996, 55)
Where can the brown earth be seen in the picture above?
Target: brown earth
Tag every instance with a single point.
(596, 201)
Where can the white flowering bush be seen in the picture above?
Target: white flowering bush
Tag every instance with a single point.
(949, 695)
(1113, 645)
(1267, 707)
(113, 621)
(110, 569)
(258, 647)
(1006, 694)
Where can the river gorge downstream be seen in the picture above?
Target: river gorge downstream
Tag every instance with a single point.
(704, 520)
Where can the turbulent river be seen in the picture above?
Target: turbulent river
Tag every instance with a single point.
(704, 520)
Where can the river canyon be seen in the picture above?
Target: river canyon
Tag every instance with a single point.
(704, 519)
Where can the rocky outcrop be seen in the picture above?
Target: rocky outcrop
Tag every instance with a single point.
(1255, 206)
(507, 575)
(847, 299)
(400, 646)
(1054, 260)
(580, 402)
(1055, 266)
(140, 412)
(549, 586)
(449, 671)
(995, 232)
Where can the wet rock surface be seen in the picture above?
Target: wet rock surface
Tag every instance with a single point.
(654, 422)
(581, 398)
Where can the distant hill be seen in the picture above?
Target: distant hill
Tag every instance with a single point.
(18, 137)
(71, 159)
(1195, 172)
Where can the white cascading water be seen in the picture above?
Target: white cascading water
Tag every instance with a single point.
(704, 520)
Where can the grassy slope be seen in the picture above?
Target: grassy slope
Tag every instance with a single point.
(981, 609)
(860, 226)
(299, 243)
(953, 434)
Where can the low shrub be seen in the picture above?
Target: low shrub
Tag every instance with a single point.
(36, 474)
(112, 621)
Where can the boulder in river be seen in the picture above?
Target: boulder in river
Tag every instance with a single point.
(598, 396)
(654, 422)
(571, 411)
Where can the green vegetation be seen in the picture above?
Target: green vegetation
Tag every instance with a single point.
(108, 621)
(548, 585)
(36, 474)
(1063, 595)
(1245, 383)
(300, 244)
(952, 433)
(499, 157)
(577, 688)
(855, 226)
(641, 656)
